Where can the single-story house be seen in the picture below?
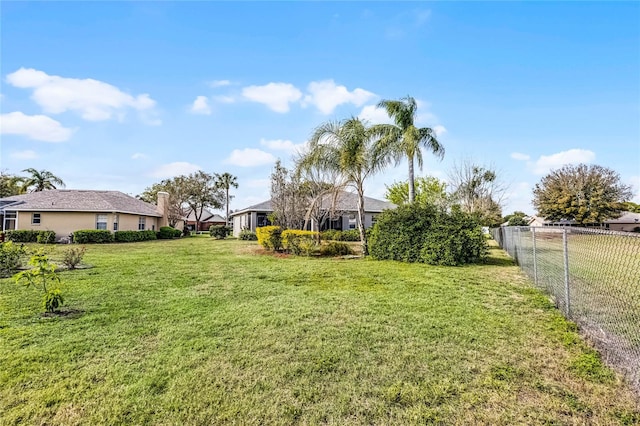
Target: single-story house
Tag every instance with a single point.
(65, 211)
(628, 221)
(346, 205)
(206, 220)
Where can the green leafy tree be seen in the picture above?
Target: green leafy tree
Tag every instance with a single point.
(404, 139)
(583, 193)
(41, 180)
(226, 181)
(43, 277)
(346, 147)
(517, 218)
(288, 199)
(176, 189)
(429, 190)
(10, 184)
(201, 192)
(632, 207)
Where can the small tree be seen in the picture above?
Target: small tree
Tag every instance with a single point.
(201, 192)
(428, 190)
(583, 193)
(226, 181)
(42, 277)
(288, 199)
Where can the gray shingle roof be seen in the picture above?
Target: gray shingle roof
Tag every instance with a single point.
(207, 216)
(79, 200)
(347, 201)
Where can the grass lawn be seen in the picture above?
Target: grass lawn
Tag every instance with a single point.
(199, 331)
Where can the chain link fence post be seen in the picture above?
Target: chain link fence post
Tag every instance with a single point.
(535, 260)
(565, 251)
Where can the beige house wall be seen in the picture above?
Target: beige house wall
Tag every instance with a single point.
(64, 223)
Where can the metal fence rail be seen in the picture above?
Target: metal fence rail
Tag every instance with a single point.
(593, 276)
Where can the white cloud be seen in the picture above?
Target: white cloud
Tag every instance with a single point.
(138, 156)
(174, 169)
(201, 106)
(94, 100)
(249, 157)
(219, 83)
(276, 96)
(554, 161)
(519, 156)
(375, 115)
(326, 96)
(38, 127)
(634, 181)
(282, 145)
(24, 155)
(224, 99)
(439, 130)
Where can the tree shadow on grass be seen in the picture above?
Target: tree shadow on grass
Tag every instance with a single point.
(64, 313)
(498, 257)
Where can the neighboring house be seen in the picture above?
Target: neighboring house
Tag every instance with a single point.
(628, 221)
(257, 215)
(206, 220)
(65, 211)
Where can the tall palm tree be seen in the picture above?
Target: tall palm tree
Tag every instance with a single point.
(41, 180)
(345, 147)
(226, 181)
(404, 139)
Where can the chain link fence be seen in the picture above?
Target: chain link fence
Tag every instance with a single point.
(593, 276)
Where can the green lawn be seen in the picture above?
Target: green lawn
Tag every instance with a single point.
(199, 331)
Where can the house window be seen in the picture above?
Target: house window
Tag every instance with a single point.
(374, 219)
(141, 222)
(116, 218)
(35, 219)
(10, 219)
(352, 221)
(101, 221)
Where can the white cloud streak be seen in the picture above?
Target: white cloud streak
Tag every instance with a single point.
(326, 95)
(282, 145)
(93, 100)
(38, 127)
(546, 163)
(276, 96)
(249, 157)
(201, 106)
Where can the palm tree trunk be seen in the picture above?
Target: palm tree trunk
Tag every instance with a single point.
(412, 187)
(227, 216)
(363, 234)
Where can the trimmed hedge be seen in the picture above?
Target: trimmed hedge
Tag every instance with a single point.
(168, 233)
(270, 237)
(30, 236)
(247, 235)
(299, 242)
(133, 236)
(93, 236)
(335, 248)
(415, 233)
(219, 232)
(336, 235)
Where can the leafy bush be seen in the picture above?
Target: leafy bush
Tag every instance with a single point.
(134, 236)
(219, 232)
(168, 233)
(42, 277)
(330, 235)
(270, 237)
(72, 257)
(46, 237)
(299, 242)
(415, 233)
(10, 257)
(30, 236)
(350, 235)
(247, 235)
(335, 248)
(93, 236)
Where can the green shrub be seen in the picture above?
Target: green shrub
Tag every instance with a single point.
(247, 235)
(350, 235)
(134, 236)
(335, 248)
(42, 277)
(299, 242)
(93, 236)
(168, 233)
(330, 235)
(72, 256)
(11, 256)
(219, 232)
(270, 237)
(416, 233)
(22, 236)
(46, 237)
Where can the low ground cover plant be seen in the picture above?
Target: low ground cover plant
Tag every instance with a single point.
(168, 233)
(247, 235)
(299, 242)
(72, 257)
(219, 232)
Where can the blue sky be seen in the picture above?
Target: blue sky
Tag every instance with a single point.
(119, 95)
